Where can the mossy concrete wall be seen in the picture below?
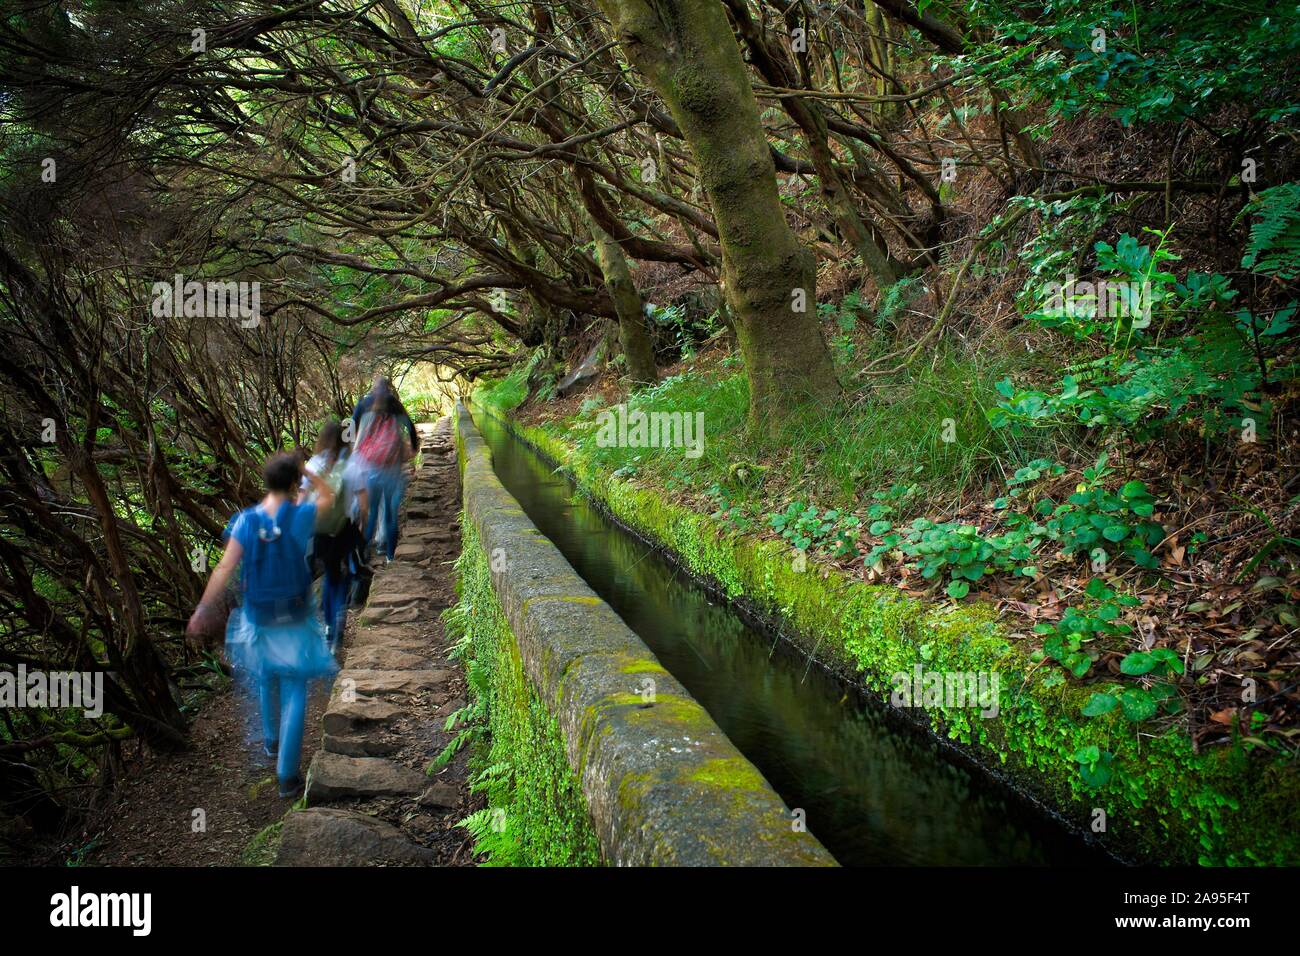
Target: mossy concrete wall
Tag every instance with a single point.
(663, 784)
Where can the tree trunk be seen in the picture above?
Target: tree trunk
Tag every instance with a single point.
(686, 50)
(633, 335)
(776, 68)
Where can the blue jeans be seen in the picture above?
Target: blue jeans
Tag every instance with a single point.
(384, 488)
(334, 601)
(283, 701)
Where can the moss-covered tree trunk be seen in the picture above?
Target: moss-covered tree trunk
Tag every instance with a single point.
(686, 50)
(633, 333)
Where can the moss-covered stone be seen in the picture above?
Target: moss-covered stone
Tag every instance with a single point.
(583, 751)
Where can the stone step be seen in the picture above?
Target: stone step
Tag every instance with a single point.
(335, 777)
(389, 615)
(381, 658)
(323, 836)
(384, 598)
(348, 717)
(442, 796)
(369, 683)
(370, 745)
(382, 635)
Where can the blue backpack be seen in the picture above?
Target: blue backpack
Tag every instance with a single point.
(276, 575)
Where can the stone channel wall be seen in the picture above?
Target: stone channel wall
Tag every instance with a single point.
(663, 784)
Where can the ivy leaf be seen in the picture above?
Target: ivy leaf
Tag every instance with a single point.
(1080, 664)
(958, 589)
(1096, 775)
(1089, 754)
(1137, 704)
(1097, 589)
(1137, 663)
(1099, 704)
(1165, 656)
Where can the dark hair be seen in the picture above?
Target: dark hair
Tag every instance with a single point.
(330, 440)
(282, 472)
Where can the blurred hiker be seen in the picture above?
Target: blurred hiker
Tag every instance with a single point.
(382, 386)
(336, 533)
(275, 637)
(382, 451)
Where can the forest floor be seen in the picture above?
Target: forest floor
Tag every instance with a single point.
(152, 817)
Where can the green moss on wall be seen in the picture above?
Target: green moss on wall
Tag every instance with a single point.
(1163, 803)
(537, 815)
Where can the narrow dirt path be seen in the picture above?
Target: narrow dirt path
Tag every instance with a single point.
(369, 798)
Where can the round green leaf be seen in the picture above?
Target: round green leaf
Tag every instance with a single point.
(1089, 754)
(1099, 704)
(1137, 663)
(1137, 704)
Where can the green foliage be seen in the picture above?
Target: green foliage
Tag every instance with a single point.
(536, 814)
(735, 515)
(682, 332)
(1051, 253)
(504, 393)
(1141, 703)
(1094, 517)
(956, 550)
(1273, 248)
(1207, 380)
(844, 315)
(898, 298)
(1096, 766)
(1159, 62)
(1072, 640)
(1211, 376)
(808, 529)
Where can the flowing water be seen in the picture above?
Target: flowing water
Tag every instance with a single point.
(874, 792)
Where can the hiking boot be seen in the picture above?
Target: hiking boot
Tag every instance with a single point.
(291, 789)
(271, 749)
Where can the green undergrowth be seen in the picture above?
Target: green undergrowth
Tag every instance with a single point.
(507, 392)
(536, 814)
(929, 428)
(262, 849)
(1155, 797)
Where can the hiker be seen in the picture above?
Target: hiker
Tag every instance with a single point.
(380, 386)
(275, 637)
(381, 453)
(336, 532)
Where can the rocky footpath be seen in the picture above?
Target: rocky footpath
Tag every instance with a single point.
(369, 798)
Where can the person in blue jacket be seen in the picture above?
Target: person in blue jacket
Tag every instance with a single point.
(275, 638)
